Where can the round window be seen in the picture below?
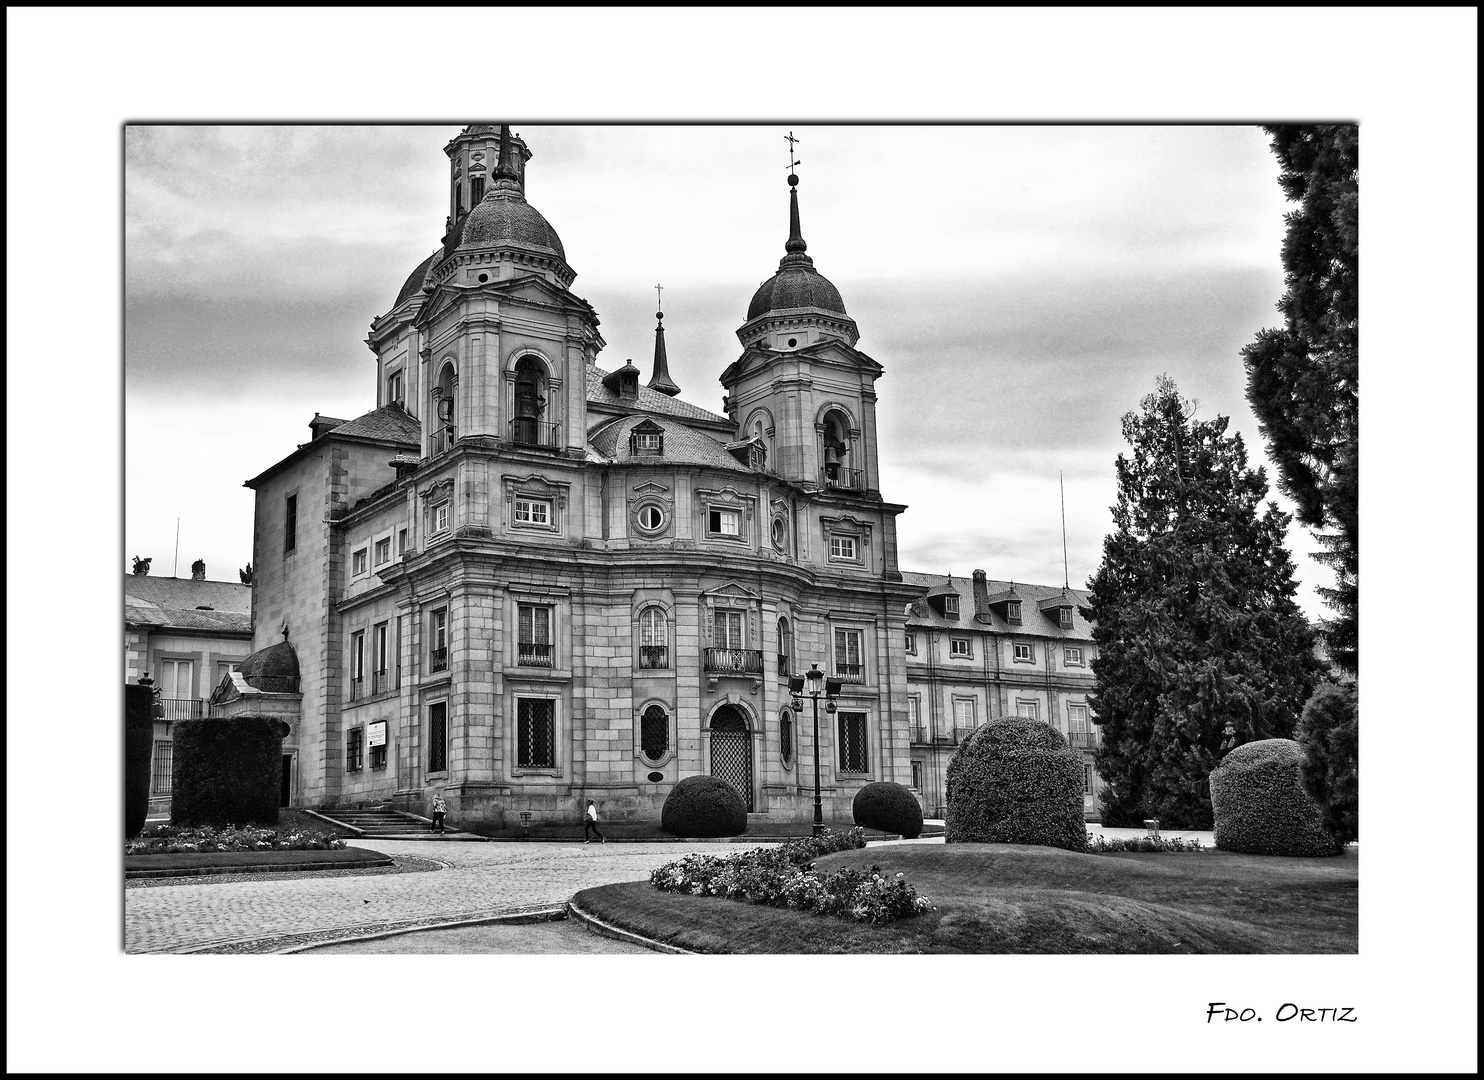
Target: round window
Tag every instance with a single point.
(792, 342)
(651, 518)
(484, 277)
(780, 533)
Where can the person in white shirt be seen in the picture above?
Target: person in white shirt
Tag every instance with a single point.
(439, 809)
(590, 824)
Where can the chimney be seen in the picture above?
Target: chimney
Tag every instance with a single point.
(320, 425)
(198, 570)
(981, 597)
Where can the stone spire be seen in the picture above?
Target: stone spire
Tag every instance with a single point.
(661, 380)
(508, 165)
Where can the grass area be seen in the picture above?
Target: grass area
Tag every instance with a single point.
(291, 820)
(1012, 898)
(280, 860)
(652, 831)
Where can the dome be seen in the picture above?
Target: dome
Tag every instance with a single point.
(413, 286)
(796, 286)
(273, 670)
(504, 218)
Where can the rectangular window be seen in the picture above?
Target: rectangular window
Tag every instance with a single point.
(397, 655)
(438, 640)
(1027, 710)
(353, 750)
(358, 562)
(438, 737)
(394, 392)
(175, 688)
(914, 710)
(963, 714)
(1064, 618)
(728, 628)
(853, 757)
(1012, 611)
(1087, 779)
(383, 551)
(376, 744)
(848, 664)
(379, 659)
(378, 756)
(917, 775)
(357, 664)
(535, 738)
(532, 512)
(1077, 719)
(649, 442)
(1024, 653)
(533, 634)
(440, 518)
(290, 522)
(911, 644)
(959, 646)
(1074, 656)
(950, 605)
(842, 547)
(401, 542)
(724, 523)
(163, 767)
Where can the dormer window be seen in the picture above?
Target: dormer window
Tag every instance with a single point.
(950, 606)
(394, 388)
(757, 456)
(1064, 618)
(647, 438)
(1012, 611)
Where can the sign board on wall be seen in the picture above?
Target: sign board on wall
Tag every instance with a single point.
(376, 733)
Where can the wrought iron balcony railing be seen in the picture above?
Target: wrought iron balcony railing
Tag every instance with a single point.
(919, 733)
(530, 654)
(783, 664)
(529, 432)
(654, 656)
(1083, 740)
(438, 659)
(380, 684)
(843, 479)
(851, 673)
(356, 691)
(184, 709)
(734, 661)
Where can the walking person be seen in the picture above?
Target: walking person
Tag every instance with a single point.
(439, 809)
(590, 824)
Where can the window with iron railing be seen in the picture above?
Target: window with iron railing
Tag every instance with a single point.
(654, 656)
(353, 745)
(533, 636)
(438, 659)
(438, 737)
(438, 640)
(654, 733)
(853, 736)
(356, 691)
(535, 733)
(785, 647)
(848, 665)
(654, 638)
(379, 683)
(734, 661)
(786, 735)
(163, 767)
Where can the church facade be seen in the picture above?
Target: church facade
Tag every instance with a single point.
(525, 581)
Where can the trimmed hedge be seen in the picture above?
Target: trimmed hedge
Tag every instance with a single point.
(227, 771)
(1329, 734)
(703, 806)
(139, 741)
(1261, 805)
(889, 807)
(1015, 781)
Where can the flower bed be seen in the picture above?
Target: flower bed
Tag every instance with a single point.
(1103, 845)
(170, 839)
(784, 877)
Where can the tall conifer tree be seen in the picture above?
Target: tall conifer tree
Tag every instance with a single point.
(1303, 381)
(1196, 624)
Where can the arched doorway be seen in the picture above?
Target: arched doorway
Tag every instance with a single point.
(731, 751)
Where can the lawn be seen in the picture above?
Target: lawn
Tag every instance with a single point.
(1012, 898)
(343, 859)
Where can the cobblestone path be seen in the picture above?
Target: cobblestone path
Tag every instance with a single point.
(480, 879)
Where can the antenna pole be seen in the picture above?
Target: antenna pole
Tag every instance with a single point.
(176, 565)
(1065, 574)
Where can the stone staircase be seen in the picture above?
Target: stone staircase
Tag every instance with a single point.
(382, 821)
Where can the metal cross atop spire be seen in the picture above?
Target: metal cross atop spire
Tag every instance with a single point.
(658, 299)
(792, 161)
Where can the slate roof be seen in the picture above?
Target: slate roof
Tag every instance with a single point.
(390, 423)
(175, 603)
(648, 401)
(1032, 620)
(683, 445)
(413, 286)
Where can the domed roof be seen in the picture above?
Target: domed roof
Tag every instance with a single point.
(274, 669)
(795, 286)
(413, 286)
(504, 218)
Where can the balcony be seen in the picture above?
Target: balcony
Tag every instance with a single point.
(945, 737)
(783, 666)
(438, 659)
(843, 479)
(525, 431)
(919, 733)
(183, 709)
(357, 688)
(734, 661)
(851, 673)
(380, 684)
(530, 654)
(1083, 740)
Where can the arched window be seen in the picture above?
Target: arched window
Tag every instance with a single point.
(654, 638)
(786, 736)
(785, 648)
(654, 733)
(527, 425)
(445, 409)
(836, 449)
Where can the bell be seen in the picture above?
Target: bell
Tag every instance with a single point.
(831, 456)
(445, 409)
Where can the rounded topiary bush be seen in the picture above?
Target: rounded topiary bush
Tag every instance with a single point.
(1015, 781)
(889, 807)
(1261, 806)
(703, 806)
(139, 741)
(227, 771)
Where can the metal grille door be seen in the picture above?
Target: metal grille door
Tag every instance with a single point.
(731, 753)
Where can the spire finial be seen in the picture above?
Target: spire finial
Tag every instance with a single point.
(795, 244)
(505, 167)
(658, 302)
(661, 380)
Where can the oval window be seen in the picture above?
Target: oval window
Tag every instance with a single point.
(656, 777)
(651, 518)
(780, 533)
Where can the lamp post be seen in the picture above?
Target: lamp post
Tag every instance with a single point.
(817, 684)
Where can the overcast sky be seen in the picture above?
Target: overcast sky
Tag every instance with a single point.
(1022, 286)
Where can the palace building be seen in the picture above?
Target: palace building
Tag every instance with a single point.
(525, 581)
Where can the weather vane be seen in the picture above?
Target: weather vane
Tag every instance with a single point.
(792, 161)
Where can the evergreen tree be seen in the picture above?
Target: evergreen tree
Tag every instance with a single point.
(1196, 625)
(1303, 381)
(1329, 733)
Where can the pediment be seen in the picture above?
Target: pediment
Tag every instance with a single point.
(731, 591)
